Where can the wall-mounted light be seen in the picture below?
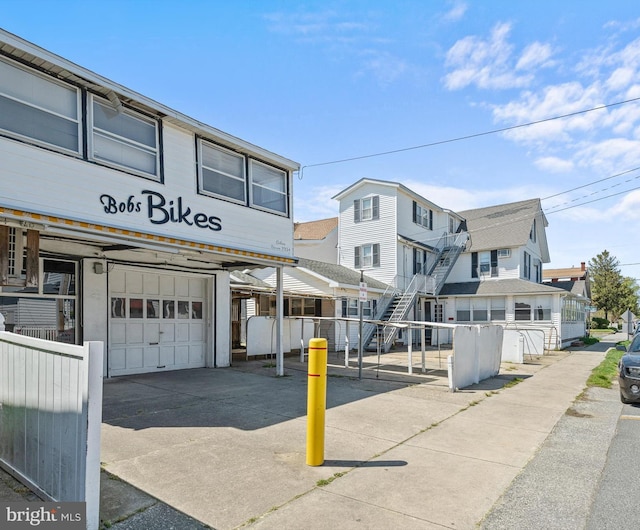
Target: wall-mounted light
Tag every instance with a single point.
(98, 267)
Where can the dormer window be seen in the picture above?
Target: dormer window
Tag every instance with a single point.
(422, 216)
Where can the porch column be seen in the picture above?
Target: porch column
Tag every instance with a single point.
(279, 321)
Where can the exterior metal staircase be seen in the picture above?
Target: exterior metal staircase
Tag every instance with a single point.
(395, 304)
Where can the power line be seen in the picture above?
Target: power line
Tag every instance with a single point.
(469, 136)
(590, 183)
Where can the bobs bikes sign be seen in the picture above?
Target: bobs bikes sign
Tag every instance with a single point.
(160, 211)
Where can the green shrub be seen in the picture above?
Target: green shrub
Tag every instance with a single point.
(599, 323)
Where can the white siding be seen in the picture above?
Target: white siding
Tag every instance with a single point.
(76, 187)
(325, 250)
(382, 231)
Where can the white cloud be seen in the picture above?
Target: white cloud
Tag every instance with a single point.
(384, 66)
(317, 204)
(535, 55)
(456, 12)
(553, 164)
(458, 199)
(629, 207)
(490, 64)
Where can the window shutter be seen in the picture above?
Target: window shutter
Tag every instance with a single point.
(318, 309)
(415, 212)
(356, 258)
(376, 255)
(494, 263)
(474, 264)
(374, 314)
(344, 308)
(415, 261)
(375, 202)
(430, 219)
(285, 307)
(356, 211)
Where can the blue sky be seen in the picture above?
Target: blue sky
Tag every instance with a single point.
(319, 82)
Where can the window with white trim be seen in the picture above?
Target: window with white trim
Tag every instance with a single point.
(498, 311)
(479, 310)
(523, 309)
(366, 209)
(124, 138)
(268, 187)
(38, 108)
(463, 310)
(366, 256)
(542, 310)
(221, 172)
(504, 252)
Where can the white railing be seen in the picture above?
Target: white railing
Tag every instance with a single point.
(50, 416)
(37, 332)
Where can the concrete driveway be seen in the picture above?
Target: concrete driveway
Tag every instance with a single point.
(227, 446)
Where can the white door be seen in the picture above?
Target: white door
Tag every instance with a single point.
(157, 321)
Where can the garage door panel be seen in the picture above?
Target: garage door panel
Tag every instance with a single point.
(167, 356)
(196, 355)
(134, 357)
(196, 287)
(167, 285)
(151, 284)
(151, 356)
(182, 332)
(167, 332)
(182, 286)
(196, 332)
(118, 332)
(182, 355)
(134, 282)
(117, 280)
(135, 333)
(118, 358)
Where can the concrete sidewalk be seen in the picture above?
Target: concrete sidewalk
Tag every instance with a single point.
(226, 448)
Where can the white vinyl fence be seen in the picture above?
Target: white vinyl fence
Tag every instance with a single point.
(50, 416)
(261, 334)
(477, 351)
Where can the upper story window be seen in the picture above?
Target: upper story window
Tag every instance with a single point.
(268, 187)
(367, 256)
(124, 138)
(504, 252)
(527, 266)
(222, 172)
(366, 209)
(36, 107)
(422, 216)
(532, 234)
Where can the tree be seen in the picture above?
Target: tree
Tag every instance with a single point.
(606, 282)
(628, 297)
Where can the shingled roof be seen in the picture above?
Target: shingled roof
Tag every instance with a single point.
(504, 225)
(315, 230)
(498, 288)
(339, 273)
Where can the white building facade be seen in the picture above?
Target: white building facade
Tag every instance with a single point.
(120, 218)
(477, 266)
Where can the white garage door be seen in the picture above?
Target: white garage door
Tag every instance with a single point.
(156, 321)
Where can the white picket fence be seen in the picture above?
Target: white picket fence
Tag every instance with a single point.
(50, 416)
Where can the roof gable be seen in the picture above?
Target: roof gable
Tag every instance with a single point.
(506, 225)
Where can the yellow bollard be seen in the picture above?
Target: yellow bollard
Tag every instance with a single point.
(316, 401)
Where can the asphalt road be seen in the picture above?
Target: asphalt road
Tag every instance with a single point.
(617, 497)
(585, 476)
